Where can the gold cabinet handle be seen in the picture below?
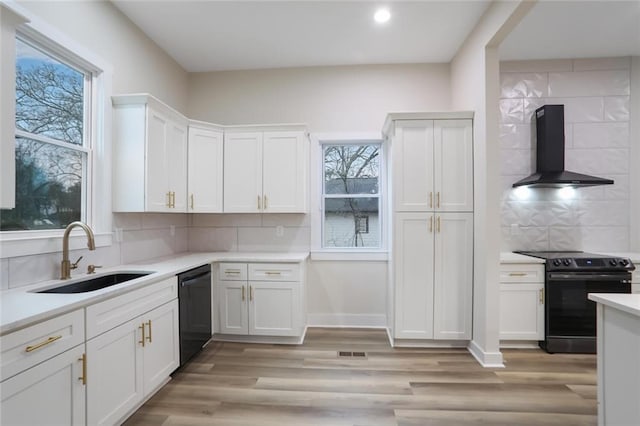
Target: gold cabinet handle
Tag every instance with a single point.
(438, 199)
(41, 344)
(438, 224)
(541, 296)
(251, 293)
(264, 203)
(83, 378)
(430, 199)
(149, 336)
(430, 223)
(517, 274)
(243, 293)
(169, 199)
(143, 338)
(272, 272)
(192, 202)
(232, 272)
(173, 199)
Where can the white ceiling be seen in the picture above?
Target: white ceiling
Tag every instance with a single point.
(232, 35)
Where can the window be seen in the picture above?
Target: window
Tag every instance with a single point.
(53, 108)
(351, 196)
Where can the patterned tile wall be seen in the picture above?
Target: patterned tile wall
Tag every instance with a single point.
(595, 93)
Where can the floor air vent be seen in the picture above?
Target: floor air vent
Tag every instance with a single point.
(352, 354)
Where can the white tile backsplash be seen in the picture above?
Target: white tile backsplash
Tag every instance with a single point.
(596, 94)
(213, 239)
(265, 239)
(146, 244)
(589, 83)
(164, 220)
(4, 274)
(224, 220)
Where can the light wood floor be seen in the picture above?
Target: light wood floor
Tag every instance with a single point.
(242, 384)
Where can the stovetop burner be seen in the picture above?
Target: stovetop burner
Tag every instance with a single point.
(579, 261)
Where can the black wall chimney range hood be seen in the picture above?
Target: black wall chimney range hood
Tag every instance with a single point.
(550, 172)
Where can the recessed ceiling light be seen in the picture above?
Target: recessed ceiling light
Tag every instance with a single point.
(382, 16)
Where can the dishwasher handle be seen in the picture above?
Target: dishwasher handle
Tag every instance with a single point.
(193, 280)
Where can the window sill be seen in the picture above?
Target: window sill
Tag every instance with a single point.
(366, 256)
(14, 244)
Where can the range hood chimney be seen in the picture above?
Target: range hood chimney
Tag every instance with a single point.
(550, 172)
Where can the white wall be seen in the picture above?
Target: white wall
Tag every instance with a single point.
(139, 66)
(596, 94)
(474, 86)
(634, 124)
(329, 100)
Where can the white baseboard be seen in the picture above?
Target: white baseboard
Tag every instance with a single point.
(347, 320)
(486, 359)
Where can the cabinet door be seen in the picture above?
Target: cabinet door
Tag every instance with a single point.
(413, 260)
(233, 307)
(453, 274)
(156, 179)
(162, 350)
(114, 373)
(274, 308)
(284, 173)
(453, 164)
(242, 172)
(48, 394)
(522, 311)
(412, 152)
(177, 165)
(205, 171)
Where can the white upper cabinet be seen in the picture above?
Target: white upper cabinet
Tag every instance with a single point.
(433, 165)
(149, 156)
(265, 171)
(205, 168)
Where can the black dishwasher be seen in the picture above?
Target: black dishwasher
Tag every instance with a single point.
(194, 293)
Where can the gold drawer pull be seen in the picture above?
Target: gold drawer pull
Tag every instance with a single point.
(517, 274)
(83, 378)
(243, 293)
(231, 272)
(141, 327)
(149, 336)
(430, 223)
(272, 272)
(251, 293)
(41, 344)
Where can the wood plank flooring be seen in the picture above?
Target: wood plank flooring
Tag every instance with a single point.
(249, 385)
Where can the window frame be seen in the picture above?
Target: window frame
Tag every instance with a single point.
(98, 213)
(318, 252)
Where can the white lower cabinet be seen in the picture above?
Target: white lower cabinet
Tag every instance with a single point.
(51, 393)
(522, 302)
(265, 301)
(433, 275)
(129, 362)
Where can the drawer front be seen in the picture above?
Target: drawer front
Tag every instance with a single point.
(25, 348)
(274, 272)
(233, 272)
(106, 315)
(522, 273)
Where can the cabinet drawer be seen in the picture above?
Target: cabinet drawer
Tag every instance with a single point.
(25, 348)
(274, 272)
(233, 272)
(106, 315)
(521, 273)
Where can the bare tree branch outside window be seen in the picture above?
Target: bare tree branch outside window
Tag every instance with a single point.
(50, 101)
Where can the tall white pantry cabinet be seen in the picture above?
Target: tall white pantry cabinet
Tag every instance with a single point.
(432, 215)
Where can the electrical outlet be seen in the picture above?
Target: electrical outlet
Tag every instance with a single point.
(279, 231)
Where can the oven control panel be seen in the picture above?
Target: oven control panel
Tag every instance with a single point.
(590, 264)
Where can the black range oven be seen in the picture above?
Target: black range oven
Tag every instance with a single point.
(570, 317)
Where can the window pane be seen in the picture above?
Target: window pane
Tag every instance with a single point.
(351, 169)
(48, 187)
(351, 222)
(49, 96)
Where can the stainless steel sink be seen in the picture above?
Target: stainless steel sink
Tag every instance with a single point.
(97, 283)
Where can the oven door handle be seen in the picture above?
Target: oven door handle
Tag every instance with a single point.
(623, 277)
(193, 280)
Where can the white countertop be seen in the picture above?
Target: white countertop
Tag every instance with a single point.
(510, 257)
(22, 306)
(629, 303)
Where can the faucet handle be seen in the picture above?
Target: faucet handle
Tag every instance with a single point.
(75, 265)
(91, 269)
